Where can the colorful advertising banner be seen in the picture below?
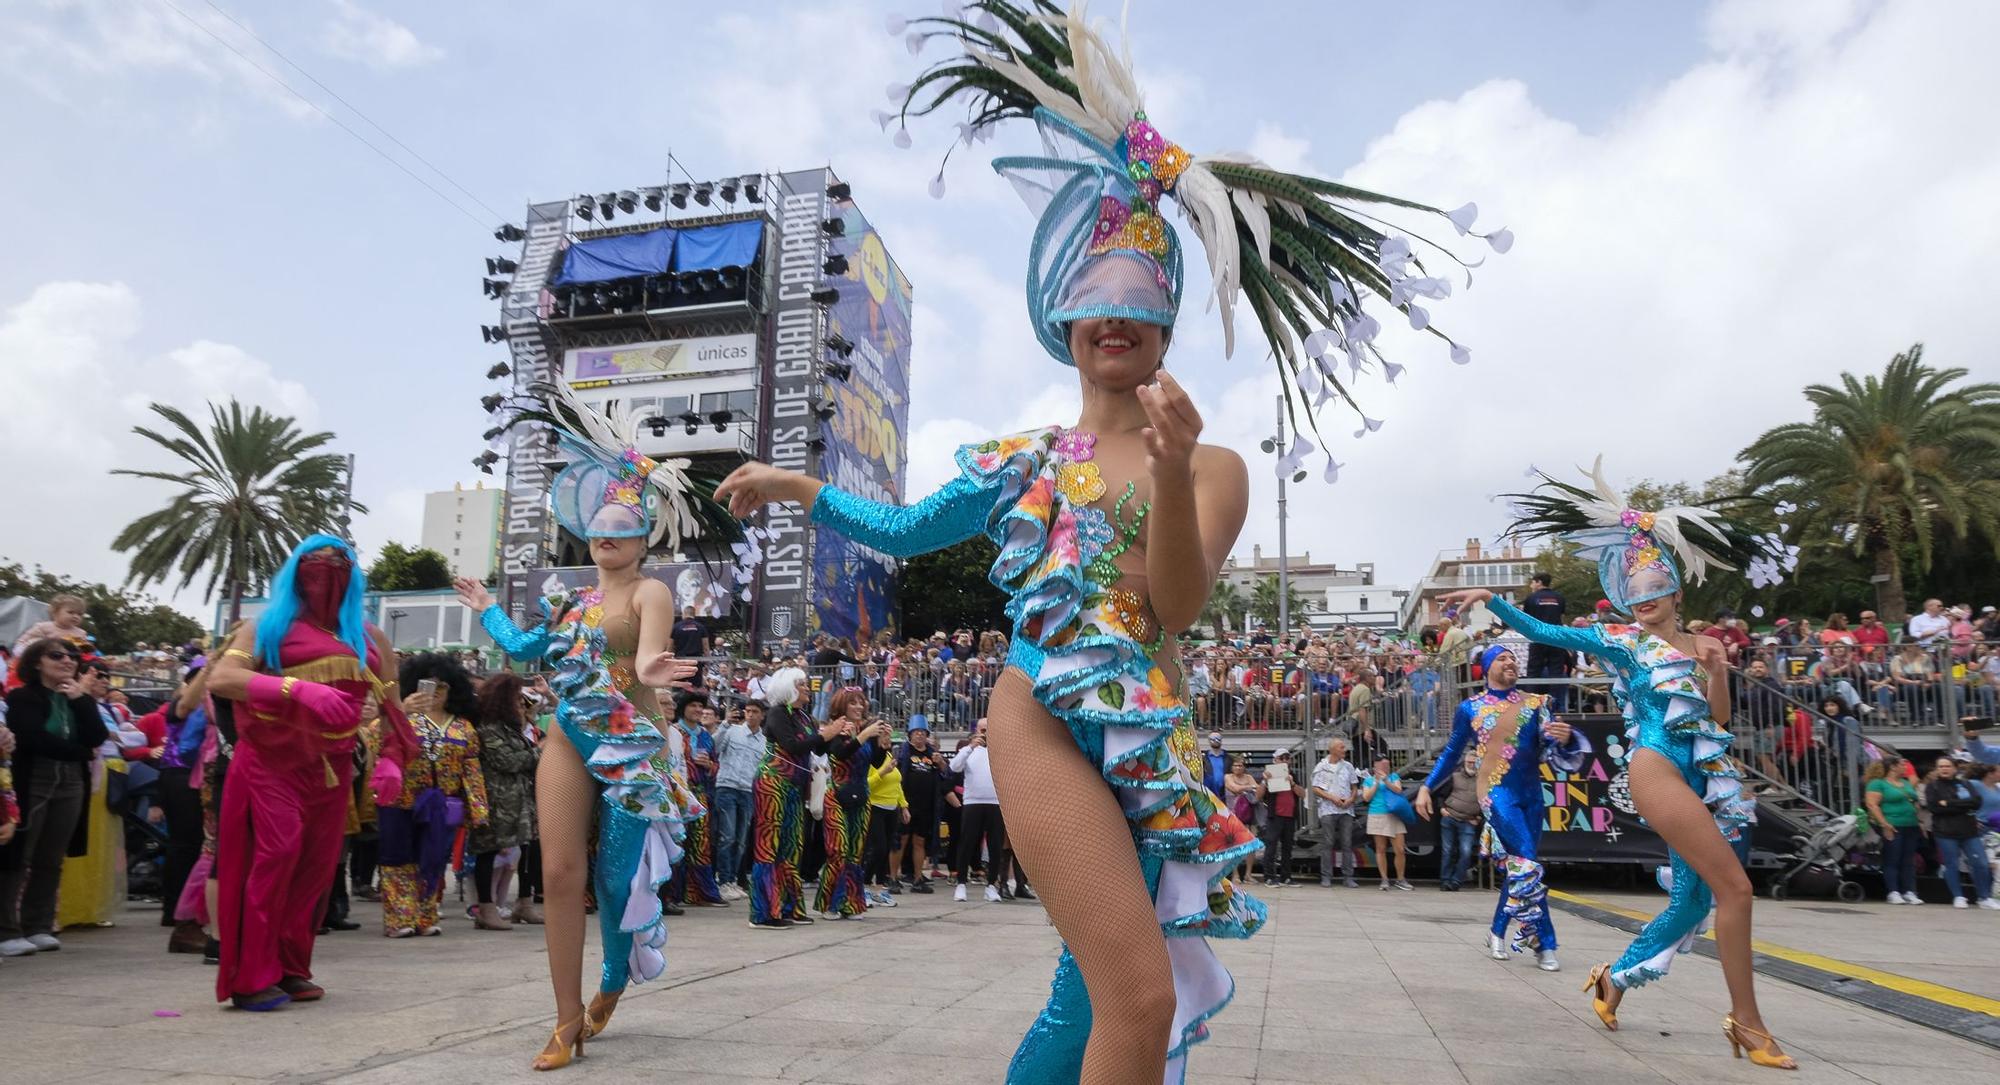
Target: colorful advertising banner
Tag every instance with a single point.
(853, 594)
(596, 367)
(1590, 814)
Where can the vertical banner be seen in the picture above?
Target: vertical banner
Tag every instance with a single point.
(783, 602)
(524, 530)
(853, 587)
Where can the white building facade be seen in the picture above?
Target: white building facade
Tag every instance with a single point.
(464, 525)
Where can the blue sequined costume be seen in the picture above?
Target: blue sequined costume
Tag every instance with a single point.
(1512, 798)
(1090, 649)
(1665, 700)
(647, 802)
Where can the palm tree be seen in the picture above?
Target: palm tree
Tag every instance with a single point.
(1225, 604)
(1264, 602)
(1885, 462)
(251, 487)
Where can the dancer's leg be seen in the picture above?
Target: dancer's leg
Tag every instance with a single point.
(1673, 810)
(1071, 831)
(564, 799)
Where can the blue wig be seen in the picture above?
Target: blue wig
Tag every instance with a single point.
(277, 619)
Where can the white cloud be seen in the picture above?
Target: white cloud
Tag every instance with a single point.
(357, 34)
(78, 382)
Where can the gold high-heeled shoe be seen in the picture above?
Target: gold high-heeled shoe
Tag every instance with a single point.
(1760, 1055)
(596, 1020)
(1595, 985)
(558, 1054)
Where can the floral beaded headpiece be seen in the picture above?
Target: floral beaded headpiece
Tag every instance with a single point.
(1302, 251)
(1640, 553)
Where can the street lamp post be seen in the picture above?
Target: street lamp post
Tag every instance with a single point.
(1276, 446)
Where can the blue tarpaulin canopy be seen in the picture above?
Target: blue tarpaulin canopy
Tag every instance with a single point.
(604, 258)
(708, 248)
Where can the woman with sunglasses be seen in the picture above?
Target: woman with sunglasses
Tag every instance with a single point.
(57, 729)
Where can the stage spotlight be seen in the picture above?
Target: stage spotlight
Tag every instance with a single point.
(750, 188)
(817, 444)
(691, 421)
(500, 265)
(628, 201)
(492, 433)
(710, 280)
(703, 192)
(658, 425)
(839, 190)
(680, 195)
(835, 265)
(509, 232)
(583, 207)
(487, 458)
(839, 371)
(732, 277)
(684, 283)
(499, 370)
(721, 419)
(840, 344)
(653, 197)
(834, 227)
(727, 190)
(492, 333)
(492, 402)
(825, 295)
(822, 410)
(495, 288)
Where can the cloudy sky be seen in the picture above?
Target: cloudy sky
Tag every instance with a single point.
(1715, 204)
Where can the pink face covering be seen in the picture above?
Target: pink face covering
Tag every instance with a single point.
(322, 584)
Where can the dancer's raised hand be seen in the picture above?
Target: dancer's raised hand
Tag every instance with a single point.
(1174, 431)
(473, 594)
(754, 485)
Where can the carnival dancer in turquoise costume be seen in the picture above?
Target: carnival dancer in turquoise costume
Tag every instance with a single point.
(1673, 688)
(606, 761)
(1513, 733)
(1110, 531)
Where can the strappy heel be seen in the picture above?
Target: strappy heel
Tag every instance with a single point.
(1595, 985)
(558, 1054)
(1760, 1054)
(595, 1022)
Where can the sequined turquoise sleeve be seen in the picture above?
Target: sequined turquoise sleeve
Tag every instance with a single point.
(524, 645)
(953, 514)
(1588, 639)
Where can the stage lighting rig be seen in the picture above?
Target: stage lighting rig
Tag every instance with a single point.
(492, 433)
(492, 401)
(657, 424)
(822, 410)
(825, 295)
(817, 444)
(509, 232)
(839, 371)
(721, 420)
(485, 461)
(492, 333)
(495, 288)
(840, 344)
(628, 201)
(703, 193)
(835, 265)
(499, 370)
(500, 265)
(751, 188)
(834, 227)
(584, 204)
(727, 190)
(679, 198)
(839, 190)
(691, 421)
(653, 197)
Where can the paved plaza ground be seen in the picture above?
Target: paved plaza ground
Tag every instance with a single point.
(1345, 986)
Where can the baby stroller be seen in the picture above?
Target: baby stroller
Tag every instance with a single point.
(1818, 865)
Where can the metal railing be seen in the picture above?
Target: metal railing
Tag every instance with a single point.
(1888, 686)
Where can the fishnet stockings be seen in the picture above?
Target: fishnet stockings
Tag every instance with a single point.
(1673, 810)
(1070, 834)
(565, 800)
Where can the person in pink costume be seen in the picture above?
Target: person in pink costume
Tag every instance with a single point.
(296, 684)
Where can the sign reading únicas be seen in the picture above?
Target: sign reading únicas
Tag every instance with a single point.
(596, 367)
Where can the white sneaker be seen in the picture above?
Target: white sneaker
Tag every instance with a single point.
(44, 942)
(1959, 902)
(993, 893)
(958, 893)
(1990, 904)
(1895, 898)
(1546, 961)
(1912, 898)
(17, 947)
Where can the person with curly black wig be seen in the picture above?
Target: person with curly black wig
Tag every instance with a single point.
(442, 790)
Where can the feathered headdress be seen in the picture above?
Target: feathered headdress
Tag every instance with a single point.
(1640, 553)
(1300, 250)
(610, 490)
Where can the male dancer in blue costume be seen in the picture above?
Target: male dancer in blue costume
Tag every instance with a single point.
(1502, 722)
